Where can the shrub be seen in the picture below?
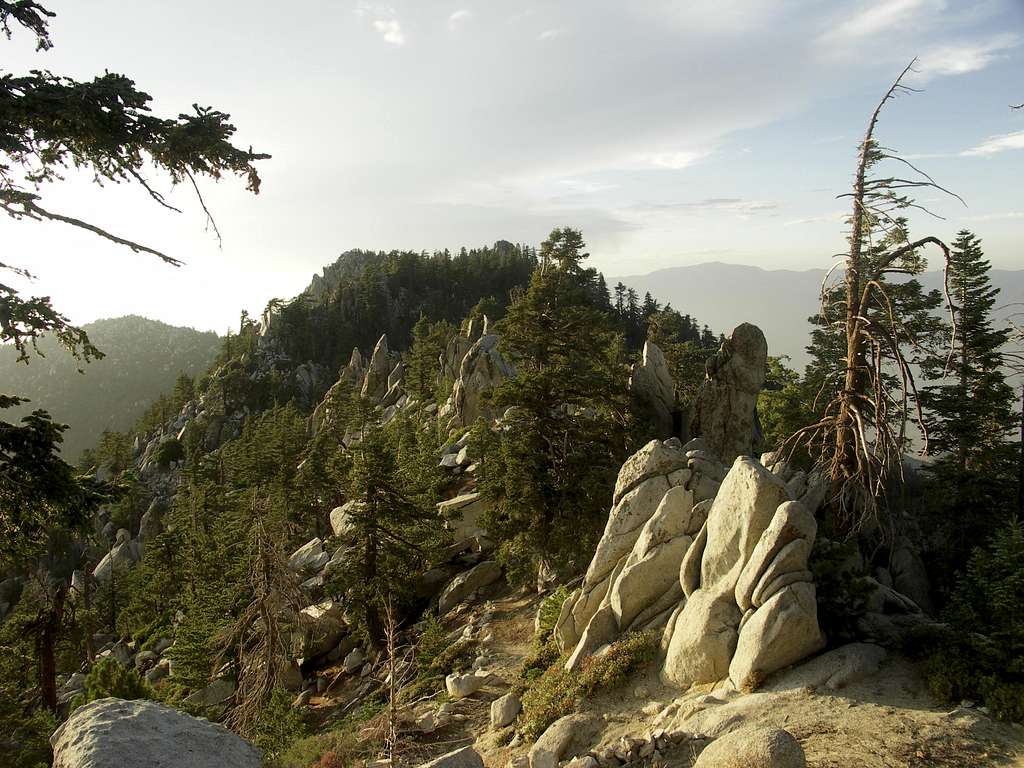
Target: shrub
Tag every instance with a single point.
(543, 654)
(351, 741)
(980, 654)
(279, 726)
(550, 608)
(168, 451)
(842, 594)
(557, 692)
(432, 643)
(107, 679)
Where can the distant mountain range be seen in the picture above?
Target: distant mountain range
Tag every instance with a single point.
(779, 301)
(142, 360)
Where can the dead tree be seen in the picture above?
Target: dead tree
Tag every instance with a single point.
(259, 641)
(859, 437)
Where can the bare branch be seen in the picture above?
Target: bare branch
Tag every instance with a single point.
(32, 210)
(209, 216)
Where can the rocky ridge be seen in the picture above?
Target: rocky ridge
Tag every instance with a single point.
(709, 552)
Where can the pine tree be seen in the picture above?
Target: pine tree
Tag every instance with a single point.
(565, 438)
(428, 344)
(970, 408)
(390, 534)
(109, 679)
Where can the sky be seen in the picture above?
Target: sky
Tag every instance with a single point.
(670, 133)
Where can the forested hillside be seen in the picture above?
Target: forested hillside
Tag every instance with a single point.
(327, 507)
(141, 359)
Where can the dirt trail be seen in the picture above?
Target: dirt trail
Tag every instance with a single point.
(886, 719)
(882, 719)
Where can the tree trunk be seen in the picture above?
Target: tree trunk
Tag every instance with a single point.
(47, 645)
(90, 651)
(845, 466)
(374, 623)
(1020, 460)
(964, 395)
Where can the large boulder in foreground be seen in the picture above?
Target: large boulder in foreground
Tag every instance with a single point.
(753, 748)
(754, 610)
(463, 757)
(141, 734)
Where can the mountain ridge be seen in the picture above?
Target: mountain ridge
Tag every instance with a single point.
(779, 301)
(142, 358)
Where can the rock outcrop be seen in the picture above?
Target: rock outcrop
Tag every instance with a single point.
(482, 369)
(375, 384)
(140, 734)
(464, 757)
(652, 386)
(463, 585)
(717, 558)
(725, 415)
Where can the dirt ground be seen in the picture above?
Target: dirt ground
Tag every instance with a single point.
(887, 719)
(882, 719)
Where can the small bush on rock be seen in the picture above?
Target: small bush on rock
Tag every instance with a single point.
(557, 692)
(170, 450)
(107, 679)
(550, 608)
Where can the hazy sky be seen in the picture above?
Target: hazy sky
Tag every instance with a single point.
(669, 132)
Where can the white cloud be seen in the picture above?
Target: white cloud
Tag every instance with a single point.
(828, 218)
(996, 216)
(364, 9)
(457, 19)
(959, 59)
(673, 161)
(995, 144)
(549, 34)
(879, 17)
(390, 30)
(735, 205)
(582, 187)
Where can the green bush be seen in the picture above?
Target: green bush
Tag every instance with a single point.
(550, 608)
(343, 746)
(280, 725)
(979, 655)
(842, 595)
(433, 642)
(557, 692)
(168, 451)
(108, 679)
(543, 654)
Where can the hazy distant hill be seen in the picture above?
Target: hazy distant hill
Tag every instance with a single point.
(143, 359)
(777, 300)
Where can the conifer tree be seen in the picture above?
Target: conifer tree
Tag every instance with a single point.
(861, 433)
(563, 442)
(428, 344)
(389, 534)
(970, 405)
